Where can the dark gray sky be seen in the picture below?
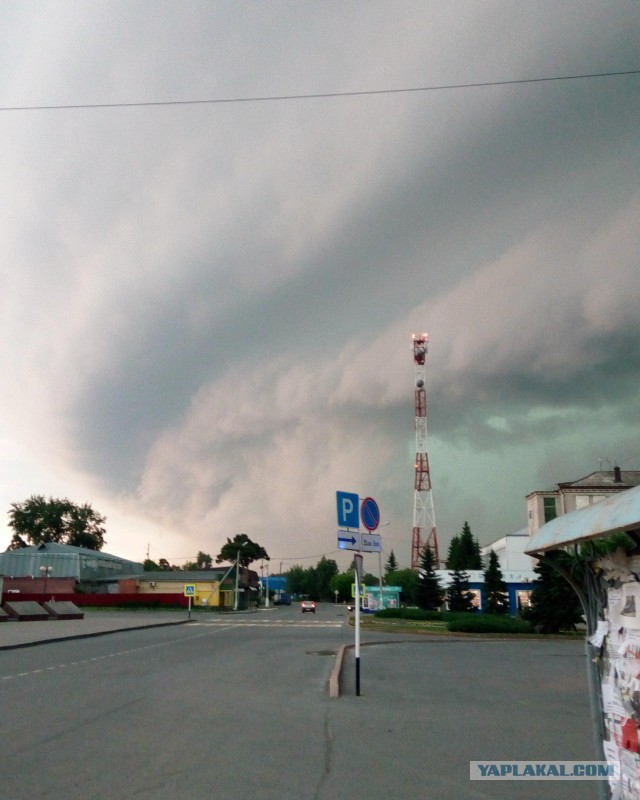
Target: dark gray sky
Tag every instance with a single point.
(207, 309)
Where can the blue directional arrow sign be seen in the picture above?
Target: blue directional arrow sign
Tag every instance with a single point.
(347, 540)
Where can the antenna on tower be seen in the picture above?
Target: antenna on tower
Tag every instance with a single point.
(424, 520)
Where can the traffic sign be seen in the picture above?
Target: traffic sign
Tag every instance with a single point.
(347, 510)
(348, 540)
(189, 590)
(370, 514)
(371, 542)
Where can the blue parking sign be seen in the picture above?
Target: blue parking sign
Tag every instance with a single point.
(348, 510)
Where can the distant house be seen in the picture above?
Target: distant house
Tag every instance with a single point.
(510, 551)
(518, 584)
(51, 561)
(214, 588)
(547, 504)
(543, 506)
(63, 569)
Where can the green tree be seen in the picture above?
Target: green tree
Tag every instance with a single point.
(391, 564)
(554, 604)
(495, 587)
(164, 565)
(459, 598)
(464, 551)
(313, 581)
(407, 579)
(325, 570)
(470, 548)
(203, 560)
(242, 548)
(342, 582)
(453, 554)
(38, 521)
(297, 579)
(151, 566)
(429, 592)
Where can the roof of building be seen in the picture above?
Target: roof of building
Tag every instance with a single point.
(489, 545)
(618, 513)
(55, 547)
(65, 561)
(184, 576)
(607, 480)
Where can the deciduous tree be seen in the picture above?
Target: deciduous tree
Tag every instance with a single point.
(242, 548)
(38, 521)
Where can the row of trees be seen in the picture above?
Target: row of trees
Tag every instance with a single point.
(554, 604)
(240, 547)
(430, 595)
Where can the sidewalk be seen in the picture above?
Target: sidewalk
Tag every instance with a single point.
(95, 623)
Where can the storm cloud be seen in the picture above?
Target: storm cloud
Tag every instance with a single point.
(207, 308)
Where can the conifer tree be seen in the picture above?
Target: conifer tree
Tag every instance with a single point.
(469, 549)
(464, 551)
(429, 593)
(554, 604)
(459, 598)
(495, 587)
(453, 554)
(391, 564)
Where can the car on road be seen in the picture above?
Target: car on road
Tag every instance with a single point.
(283, 599)
(308, 605)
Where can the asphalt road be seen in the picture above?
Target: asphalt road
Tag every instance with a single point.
(237, 707)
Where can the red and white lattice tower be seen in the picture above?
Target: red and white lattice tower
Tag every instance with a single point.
(424, 520)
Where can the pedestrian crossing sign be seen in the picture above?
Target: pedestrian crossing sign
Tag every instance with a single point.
(189, 590)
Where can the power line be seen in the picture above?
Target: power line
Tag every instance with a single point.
(318, 95)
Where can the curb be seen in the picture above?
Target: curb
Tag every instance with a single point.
(91, 635)
(334, 679)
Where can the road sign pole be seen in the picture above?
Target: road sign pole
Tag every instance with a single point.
(189, 611)
(358, 562)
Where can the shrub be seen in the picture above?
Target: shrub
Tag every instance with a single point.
(408, 613)
(487, 623)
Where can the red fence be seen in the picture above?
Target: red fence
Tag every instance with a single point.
(129, 600)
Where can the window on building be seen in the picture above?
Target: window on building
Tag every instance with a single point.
(549, 509)
(523, 597)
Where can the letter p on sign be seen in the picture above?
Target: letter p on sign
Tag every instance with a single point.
(348, 510)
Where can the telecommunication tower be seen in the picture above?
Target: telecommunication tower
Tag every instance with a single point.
(424, 520)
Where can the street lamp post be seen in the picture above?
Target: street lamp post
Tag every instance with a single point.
(45, 570)
(384, 525)
(235, 599)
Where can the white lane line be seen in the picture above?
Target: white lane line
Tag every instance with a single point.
(111, 655)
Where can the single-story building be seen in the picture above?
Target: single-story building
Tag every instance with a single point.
(59, 569)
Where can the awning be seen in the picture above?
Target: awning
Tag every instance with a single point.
(618, 513)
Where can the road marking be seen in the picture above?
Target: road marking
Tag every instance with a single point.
(111, 655)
